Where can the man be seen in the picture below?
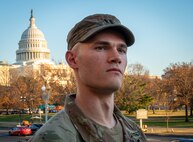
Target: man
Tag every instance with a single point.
(97, 52)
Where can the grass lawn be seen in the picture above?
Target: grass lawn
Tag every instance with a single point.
(173, 121)
(19, 118)
(159, 119)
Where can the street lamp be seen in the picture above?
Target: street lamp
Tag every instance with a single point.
(170, 100)
(45, 97)
(22, 99)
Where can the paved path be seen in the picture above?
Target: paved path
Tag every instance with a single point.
(170, 131)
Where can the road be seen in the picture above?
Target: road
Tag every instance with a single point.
(162, 138)
(4, 137)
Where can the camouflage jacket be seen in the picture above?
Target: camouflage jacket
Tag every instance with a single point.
(70, 125)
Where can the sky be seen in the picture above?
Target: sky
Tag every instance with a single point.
(163, 29)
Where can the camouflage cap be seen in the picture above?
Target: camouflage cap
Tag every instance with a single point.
(93, 24)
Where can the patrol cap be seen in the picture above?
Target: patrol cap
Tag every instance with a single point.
(93, 24)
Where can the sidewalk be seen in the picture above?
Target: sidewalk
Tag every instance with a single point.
(170, 131)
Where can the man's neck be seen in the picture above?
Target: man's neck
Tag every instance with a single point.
(97, 107)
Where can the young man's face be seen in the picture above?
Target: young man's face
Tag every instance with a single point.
(101, 62)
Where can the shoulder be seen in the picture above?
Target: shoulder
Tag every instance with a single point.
(59, 128)
(134, 129)
(131, 123)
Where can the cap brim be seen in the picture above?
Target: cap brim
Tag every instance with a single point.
(128, 35)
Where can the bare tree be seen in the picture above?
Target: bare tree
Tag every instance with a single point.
(137, 69)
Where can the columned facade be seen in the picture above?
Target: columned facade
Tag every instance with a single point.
(32, 46)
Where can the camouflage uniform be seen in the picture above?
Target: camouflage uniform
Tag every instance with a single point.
(70, 125)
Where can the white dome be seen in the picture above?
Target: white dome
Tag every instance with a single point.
(32, 33)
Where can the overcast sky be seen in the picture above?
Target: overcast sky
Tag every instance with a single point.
(163, 29)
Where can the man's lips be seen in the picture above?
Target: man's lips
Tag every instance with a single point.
(114, 70)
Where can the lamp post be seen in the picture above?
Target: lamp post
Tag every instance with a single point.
(170, 100)
(45, 97)
(22, 99)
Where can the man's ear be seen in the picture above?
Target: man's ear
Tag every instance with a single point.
(71, 59)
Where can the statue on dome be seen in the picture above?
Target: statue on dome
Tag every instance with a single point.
(31, 13)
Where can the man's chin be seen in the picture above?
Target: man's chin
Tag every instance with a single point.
(114, 88)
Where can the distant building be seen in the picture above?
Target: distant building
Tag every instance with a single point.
(31, 54)
(4, 73)
(155, 77)
(32, 46)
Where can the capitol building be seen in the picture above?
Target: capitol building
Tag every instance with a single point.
(32, 53)
(32, 46)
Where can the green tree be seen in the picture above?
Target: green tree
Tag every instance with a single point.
(133, 95)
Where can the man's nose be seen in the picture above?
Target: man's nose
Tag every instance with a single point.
(114, 57)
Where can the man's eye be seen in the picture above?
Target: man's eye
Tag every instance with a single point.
(99, 48)
(122, 51)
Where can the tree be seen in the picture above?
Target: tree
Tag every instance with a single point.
(179, 77)
(6, 96)
(26, 83)
(133, 94)
(27, 90)
(156, 90)
(137, 69)
(61, 80)
(191, 106)
(63, 83)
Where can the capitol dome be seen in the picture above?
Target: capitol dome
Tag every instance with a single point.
(32, 33)
(32, 45)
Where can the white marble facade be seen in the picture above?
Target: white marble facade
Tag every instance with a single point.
(32, 46)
